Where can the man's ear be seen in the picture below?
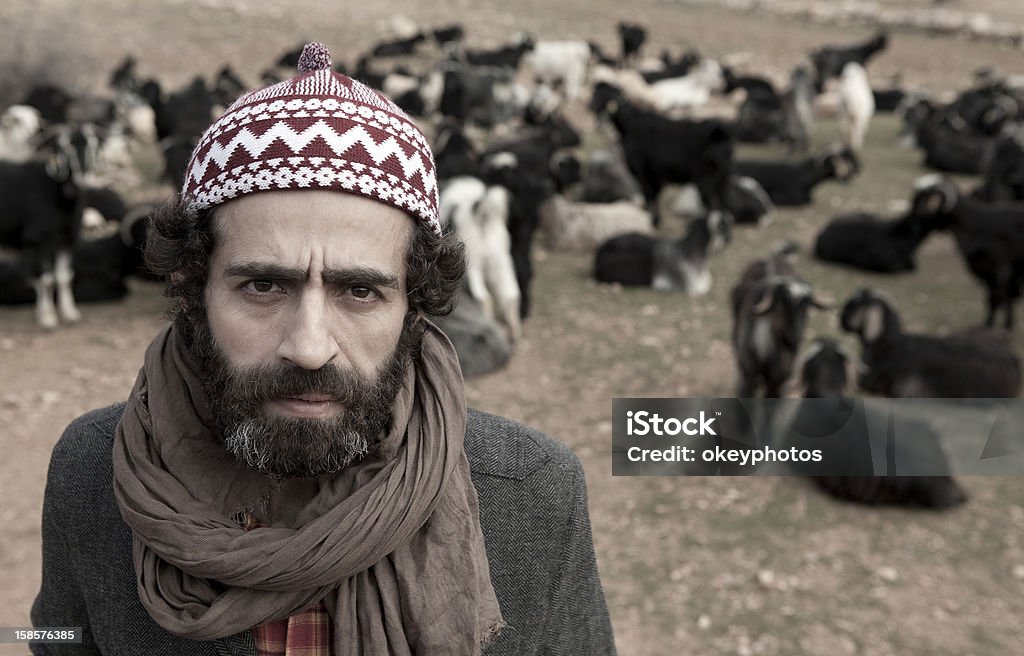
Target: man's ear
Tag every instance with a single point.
(176, 277)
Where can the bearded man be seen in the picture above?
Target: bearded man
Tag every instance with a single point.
(295, 471)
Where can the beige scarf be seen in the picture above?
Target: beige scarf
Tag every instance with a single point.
(392, 545)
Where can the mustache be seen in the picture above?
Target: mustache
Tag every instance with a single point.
(275, 381)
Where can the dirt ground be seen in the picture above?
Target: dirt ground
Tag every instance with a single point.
(689, 565)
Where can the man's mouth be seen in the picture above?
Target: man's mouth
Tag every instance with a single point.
(307, 405)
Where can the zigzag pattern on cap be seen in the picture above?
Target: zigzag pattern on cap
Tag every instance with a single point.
(256, 145)
(316, 130)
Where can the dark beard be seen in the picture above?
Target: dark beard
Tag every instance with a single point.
(295, 447)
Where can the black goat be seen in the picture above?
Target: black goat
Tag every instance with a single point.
(976, 364)
(640, 260)
(504, 57)
(989, 236)
(916, 447)
(865, 241)
(398, 47)
(790, 183)
(1004, 176)
(659, 151)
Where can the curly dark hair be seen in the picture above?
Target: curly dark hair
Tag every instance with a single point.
(179, 245)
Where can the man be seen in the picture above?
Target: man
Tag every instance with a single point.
(295, 471)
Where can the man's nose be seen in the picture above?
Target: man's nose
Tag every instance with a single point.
(309, 340)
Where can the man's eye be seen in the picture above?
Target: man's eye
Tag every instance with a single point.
(262, 286)
(362, 293)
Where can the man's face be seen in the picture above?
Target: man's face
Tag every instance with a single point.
(305, 302)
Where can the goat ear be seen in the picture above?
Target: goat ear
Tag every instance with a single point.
(873, 323)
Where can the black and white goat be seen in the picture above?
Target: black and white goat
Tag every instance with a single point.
(745, 200)
(642, 260)
(41, 218)
(791, 183)
(770, 304)
(660, 151)
(829, 61)
(976, 364)
(989, 236)
(916, 447)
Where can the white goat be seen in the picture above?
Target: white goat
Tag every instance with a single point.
(479, 215)
(856, 104)
(565, 62)
(582, 227)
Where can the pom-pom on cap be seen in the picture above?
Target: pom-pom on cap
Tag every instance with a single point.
(315, 57)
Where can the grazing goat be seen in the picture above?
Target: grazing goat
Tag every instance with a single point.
(974, 364)
(856, 105)
(829, 61)
(989, 236)
(916, 447)
(660, 151)
(581, 227)
(791, 183)
(641, 260)
(479, 214)
(770, 304)
(948, 144)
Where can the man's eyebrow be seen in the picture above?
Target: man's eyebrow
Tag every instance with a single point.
(360, 276)
(332, 276)
(266, 270)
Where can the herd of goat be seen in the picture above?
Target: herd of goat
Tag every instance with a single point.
(505, 126)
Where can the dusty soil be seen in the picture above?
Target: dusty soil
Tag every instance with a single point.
(693, 565)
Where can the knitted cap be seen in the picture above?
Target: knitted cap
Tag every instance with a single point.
(319, 130)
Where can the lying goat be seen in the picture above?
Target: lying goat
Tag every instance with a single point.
(641, 260)
(977, 364)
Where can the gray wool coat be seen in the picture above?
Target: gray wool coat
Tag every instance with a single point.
(533, 511)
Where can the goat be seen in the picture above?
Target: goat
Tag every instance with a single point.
(507, 56)
(398, 47)
(867, 242)
(691, 90)
(829, 61)
(632, 37)
(989, 236)
(943, 134)
(745, 199)
(856, 105)
(479, 214)
(769, 304)
(976, 364)
(41, 218)
(569, 226)
(557, 63)
(791, 183)
(659, 150)
(917, 447)
(641, 260)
